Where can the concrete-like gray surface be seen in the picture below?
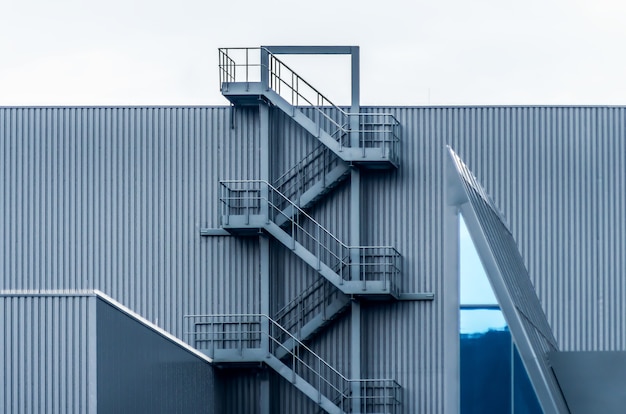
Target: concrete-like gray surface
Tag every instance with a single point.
(592, 382)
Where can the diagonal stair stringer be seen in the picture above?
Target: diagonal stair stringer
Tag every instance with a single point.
(363, 155)
(300, 383)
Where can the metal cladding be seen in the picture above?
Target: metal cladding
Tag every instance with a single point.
(114, 199)
(47, 354)
(512, 286)
(81, 352)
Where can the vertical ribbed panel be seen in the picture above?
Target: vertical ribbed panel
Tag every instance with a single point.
(405, 209)
(113, 198)
(45, 354)
(558, 176)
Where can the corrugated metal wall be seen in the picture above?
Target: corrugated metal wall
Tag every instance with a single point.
(557, 174)
(47, 356)
(113, 198)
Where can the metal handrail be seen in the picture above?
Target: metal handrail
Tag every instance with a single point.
(305, 362)
(294, 83)
(254, 192)
(309, 160)
(312, 301)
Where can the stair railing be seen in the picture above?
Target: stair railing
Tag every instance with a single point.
(245, 65)
(305, 173)
(241, 330)
(246, 198)
(311, 302)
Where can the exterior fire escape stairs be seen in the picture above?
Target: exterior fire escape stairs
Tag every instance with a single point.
(278, 209)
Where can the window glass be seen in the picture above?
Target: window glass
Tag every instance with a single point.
(475, 287)
(485, 363)
(493, 378)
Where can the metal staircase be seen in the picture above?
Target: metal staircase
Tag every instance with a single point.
(310, 311)
(369, 140)
(249, 206)
(310, 179)
(256, 338)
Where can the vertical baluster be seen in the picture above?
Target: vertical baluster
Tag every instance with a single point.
(293, 233)
(324, 301)
(240, 327)
(362, 264)
(318, 247)
(319, 381)
(247, 66)
(362, 132)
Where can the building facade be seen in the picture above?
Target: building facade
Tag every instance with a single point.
(177, 211)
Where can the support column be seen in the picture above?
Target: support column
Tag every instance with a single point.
(355, 322)
(264, 252)
(355, 235)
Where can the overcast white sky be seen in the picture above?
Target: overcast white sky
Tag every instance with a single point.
(418, 52)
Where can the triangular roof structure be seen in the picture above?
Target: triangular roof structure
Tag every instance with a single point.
(509, 278)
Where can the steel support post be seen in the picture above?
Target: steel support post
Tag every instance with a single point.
(264, 251)
(355, 234)
(355, 355)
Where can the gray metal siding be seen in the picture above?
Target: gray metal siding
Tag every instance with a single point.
(140, 371)
(113, 198)
(47, 354)
(558, 176)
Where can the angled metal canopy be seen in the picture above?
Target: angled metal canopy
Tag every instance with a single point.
(509, 279)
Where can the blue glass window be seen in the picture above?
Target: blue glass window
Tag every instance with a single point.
(493, 378)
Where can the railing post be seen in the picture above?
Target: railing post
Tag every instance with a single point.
(363, 265)
(240, 338)
(318, 248)
(299, 325)
(323, 301)
(294, 361)
(319, 381)
(264, 60)
(324, 166)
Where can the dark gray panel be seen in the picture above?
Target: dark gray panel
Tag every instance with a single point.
(140, 371)
(592, 382)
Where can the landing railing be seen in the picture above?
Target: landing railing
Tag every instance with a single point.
(312, 169)
(375, 130)
(247, 198)
(238, 331)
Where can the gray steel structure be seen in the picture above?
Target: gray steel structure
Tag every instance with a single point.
(116, 198)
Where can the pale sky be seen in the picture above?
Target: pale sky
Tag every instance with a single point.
(444, 52)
